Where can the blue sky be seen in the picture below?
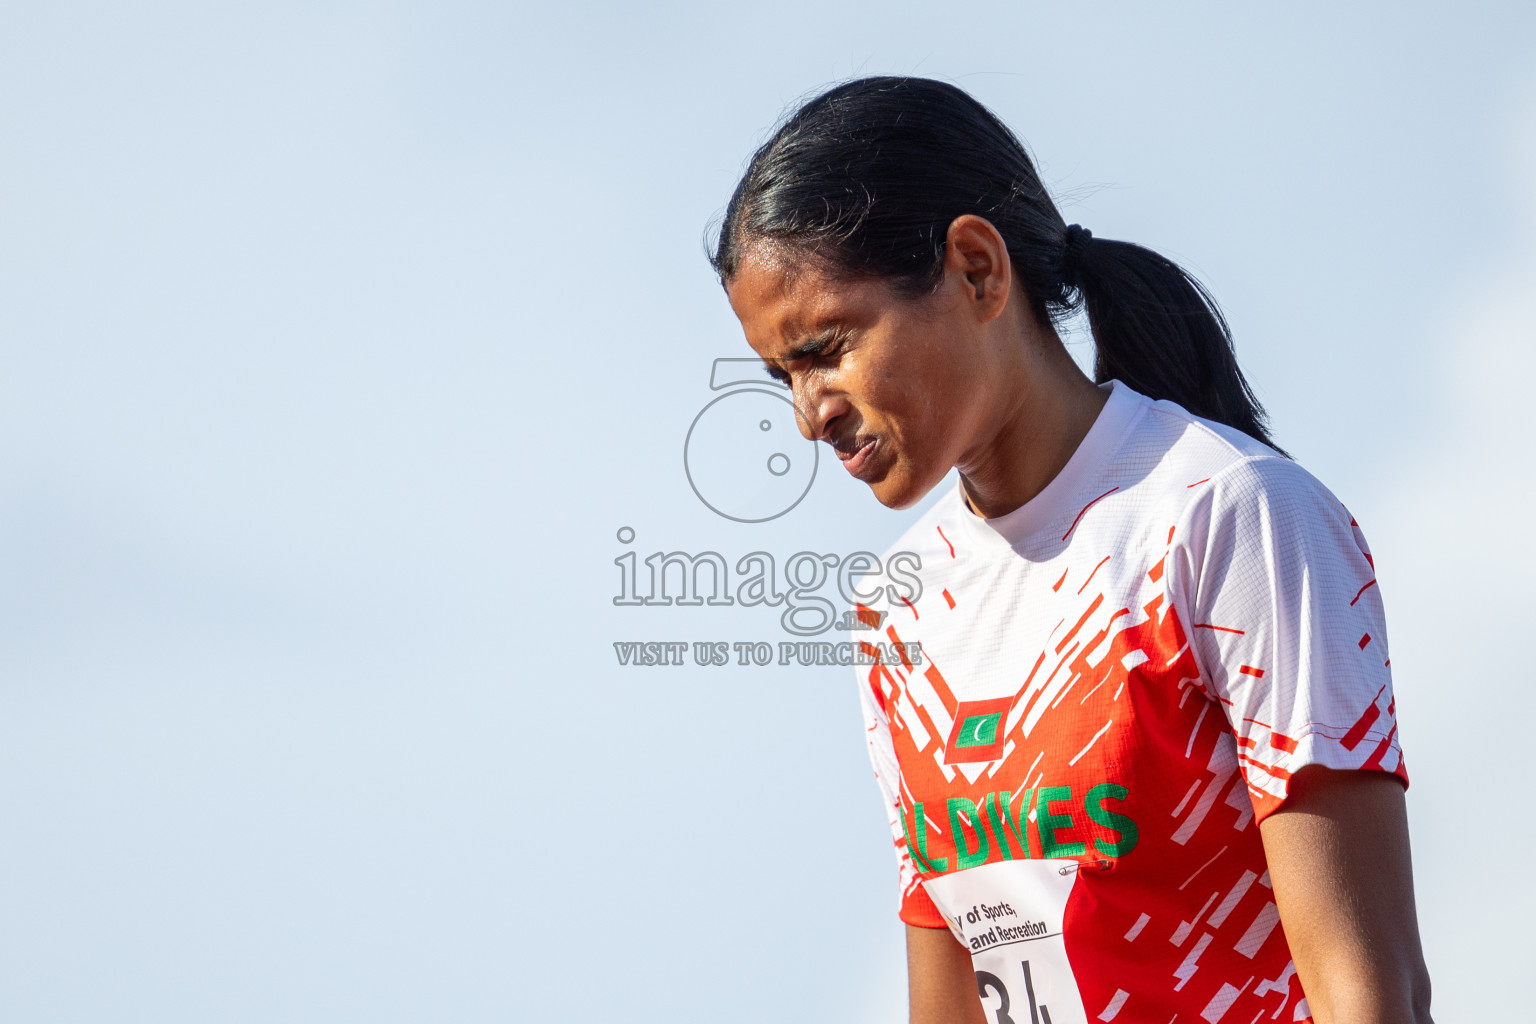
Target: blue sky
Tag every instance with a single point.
(340, 340)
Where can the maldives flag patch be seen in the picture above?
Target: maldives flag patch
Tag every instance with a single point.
(977, 734)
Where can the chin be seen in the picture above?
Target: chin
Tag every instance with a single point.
(897, 490)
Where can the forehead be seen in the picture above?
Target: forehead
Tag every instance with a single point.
(781, 302)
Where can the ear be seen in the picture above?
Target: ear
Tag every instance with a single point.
(976, 260)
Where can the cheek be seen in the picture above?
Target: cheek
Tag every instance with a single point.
(923, 431)
(923, 410)
(915, 385)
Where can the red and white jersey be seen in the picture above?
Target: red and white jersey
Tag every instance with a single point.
(1110, 687)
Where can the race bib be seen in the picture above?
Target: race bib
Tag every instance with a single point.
(1010, 914)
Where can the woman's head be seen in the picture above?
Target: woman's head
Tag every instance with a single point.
(903, 386)
(858, 195)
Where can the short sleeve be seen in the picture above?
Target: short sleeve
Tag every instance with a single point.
(877, 690)
(1286, 622)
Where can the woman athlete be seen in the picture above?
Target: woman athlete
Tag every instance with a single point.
(1141, 763)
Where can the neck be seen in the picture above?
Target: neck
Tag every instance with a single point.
(1049, 409)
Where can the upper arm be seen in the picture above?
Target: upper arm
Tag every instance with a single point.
(941, 986)
(1343, 882)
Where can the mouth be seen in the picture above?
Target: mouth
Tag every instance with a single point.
(856, 456)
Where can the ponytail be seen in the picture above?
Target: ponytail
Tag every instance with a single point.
(1157, 330)
(866, 178)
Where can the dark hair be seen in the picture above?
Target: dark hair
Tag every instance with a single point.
(865, 179)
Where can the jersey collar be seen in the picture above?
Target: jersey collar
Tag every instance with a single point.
(1065, 490)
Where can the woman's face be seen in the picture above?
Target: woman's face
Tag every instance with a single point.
(898, 387)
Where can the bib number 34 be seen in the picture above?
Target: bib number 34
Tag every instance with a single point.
(989, 986)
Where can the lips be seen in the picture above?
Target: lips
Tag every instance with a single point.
(856, 455)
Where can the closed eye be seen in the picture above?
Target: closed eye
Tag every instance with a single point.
(820, 347)
(827, 346)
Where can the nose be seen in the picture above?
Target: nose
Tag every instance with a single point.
(816, 408)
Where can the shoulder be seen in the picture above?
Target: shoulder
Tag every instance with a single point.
(1172, 464)
(1194, 442)
(1211, 467)
(1265, 522)
(1235, 503)
(1270, 489)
